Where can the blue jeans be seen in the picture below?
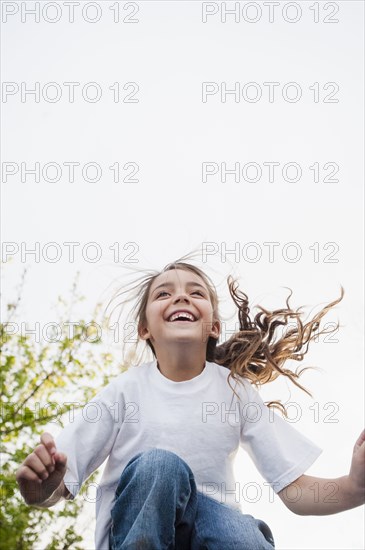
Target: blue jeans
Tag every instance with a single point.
(157, 507)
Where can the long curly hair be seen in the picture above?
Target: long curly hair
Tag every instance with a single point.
(259, 349)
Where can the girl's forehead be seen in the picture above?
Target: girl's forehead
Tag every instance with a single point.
(176, 276)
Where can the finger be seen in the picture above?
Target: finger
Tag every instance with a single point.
(24, 473)
(360, 440)
(60, 461)
(33, 462)
(43, 454)
(49, 443)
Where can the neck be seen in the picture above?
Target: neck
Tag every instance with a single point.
(181, 365)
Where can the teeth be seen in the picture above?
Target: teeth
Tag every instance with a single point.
(181, 314)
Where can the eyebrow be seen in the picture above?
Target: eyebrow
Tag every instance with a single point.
(190, 283)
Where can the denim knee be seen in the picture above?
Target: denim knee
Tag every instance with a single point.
(156, 460)
(160, 457)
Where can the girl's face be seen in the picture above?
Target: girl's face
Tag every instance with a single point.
(174, 291)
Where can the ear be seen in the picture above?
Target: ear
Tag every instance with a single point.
(216, 330)
(143, 333)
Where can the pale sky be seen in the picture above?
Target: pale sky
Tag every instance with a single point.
(291, 130)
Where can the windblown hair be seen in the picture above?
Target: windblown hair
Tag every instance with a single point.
(256, 351)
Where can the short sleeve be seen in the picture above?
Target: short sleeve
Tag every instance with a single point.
(279, 451)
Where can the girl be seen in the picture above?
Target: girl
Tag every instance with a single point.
(171, 428)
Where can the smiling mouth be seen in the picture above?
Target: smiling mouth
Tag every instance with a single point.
(184, 316)
(181, 321)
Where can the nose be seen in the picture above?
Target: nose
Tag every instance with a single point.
(181, 295)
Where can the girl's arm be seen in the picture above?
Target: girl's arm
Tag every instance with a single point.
(320, 496)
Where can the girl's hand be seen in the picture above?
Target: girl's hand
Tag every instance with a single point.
(357, 470)
(42, 471)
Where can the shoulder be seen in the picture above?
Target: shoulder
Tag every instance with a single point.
(134, 375)
(223, 372)
(134, 372)
(242, 386)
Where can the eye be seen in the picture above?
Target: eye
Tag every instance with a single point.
(195, 292)
(162, 292)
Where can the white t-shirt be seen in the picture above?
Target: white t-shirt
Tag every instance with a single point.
(201, 420)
